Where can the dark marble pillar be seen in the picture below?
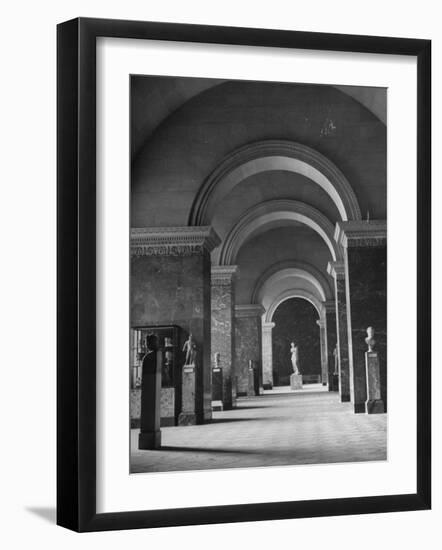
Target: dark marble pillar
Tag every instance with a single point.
(150, 417)
(323, 343)
(337, 271)
(365, 247)
(248, 347)
(170, 285)
(267, 352)
(330, 319)
(223, 330)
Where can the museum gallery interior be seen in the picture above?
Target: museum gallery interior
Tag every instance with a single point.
(258, 273)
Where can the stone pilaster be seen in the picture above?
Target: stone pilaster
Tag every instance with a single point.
(267, 355)
(330, 323)
(323, 343)
(223, 329)
(365, 254)
(248, 333)
(337, 271)
(170, 285)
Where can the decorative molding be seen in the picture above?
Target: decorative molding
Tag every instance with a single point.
(272, 212)
(268, 327)
(249, 310)
(336, 270)
(329, 306)
(361, 234)
(172, 241)
(224, 275)
(321, 323)
(319, 279)
(271, 155)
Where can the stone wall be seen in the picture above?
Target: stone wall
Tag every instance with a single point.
(247, 347)
(175, 289)
(295, 321)
(223, 335)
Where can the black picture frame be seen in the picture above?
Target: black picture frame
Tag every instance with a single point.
(76, 272)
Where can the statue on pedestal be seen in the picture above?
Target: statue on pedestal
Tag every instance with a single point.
(190, 349)
(294, 357)
(335, 355)
(370, 341)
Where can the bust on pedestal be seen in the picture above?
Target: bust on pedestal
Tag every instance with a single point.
(296, 377)
(374, 403)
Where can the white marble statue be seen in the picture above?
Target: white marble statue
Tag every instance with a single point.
(190, 349)
(370, 341)
(294, 354)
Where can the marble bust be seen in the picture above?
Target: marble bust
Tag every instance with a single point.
(370, 341)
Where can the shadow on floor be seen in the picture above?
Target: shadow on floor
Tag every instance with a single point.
(46, 513)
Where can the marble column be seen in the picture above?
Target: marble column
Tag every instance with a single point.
(365, 255)
(323, 343)
(337, 271)
(223, 329)
(267, 358)
(248, 334)
(170, 285)
(330, 321)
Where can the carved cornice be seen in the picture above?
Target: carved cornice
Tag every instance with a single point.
(172, 241)
(361, 234)
(249, 310)
(224, 274)
(336, 270)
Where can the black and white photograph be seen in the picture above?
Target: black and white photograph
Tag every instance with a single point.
(258, 274)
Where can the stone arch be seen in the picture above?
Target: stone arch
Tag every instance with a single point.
(293, 293)
(271, 214)
(274, 155)
(295, 269)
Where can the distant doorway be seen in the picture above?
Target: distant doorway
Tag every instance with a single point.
(295, 321)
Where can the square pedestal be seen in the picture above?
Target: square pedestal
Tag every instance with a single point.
(296, 381)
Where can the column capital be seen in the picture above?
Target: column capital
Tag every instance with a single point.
(361, 233)
(224, 274)
(249, 310)
(172, 241)
(268, 326)
(336, 270)
(320, 323)
(329, 306)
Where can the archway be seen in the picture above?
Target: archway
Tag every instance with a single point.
(295, 320)
(268, 156)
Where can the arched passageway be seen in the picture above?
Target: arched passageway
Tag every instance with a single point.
(247, 235)
(295, 320)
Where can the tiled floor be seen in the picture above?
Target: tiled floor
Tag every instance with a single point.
(282, 427)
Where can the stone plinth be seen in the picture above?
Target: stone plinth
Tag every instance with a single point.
(251, 386)
(296, 381)
(248, 333)
(170, 285)
(150, 414)
(330, 318)
(267, 355)
(323, 342)
(188, 414)
(337, 271)
(217, 384)
(222, 327)
(374, 403)
(365, 252)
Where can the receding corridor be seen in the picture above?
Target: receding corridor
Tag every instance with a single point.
(281, 427)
